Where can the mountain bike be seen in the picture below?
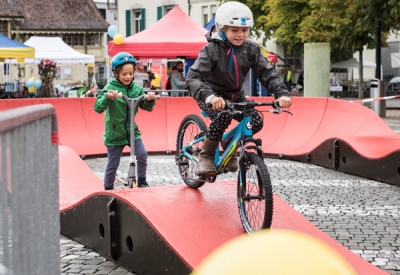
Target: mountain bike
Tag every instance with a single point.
(254, 188)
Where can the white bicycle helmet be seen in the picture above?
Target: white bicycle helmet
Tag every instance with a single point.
(233, 14)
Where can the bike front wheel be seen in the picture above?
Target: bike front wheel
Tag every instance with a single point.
(254, 195)
(191, 128)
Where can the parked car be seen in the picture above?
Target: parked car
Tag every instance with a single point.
(394, 84)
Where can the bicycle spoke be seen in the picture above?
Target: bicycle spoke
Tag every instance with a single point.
(191, 128)
(255, 196)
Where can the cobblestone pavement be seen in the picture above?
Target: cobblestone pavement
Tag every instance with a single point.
(361, 214)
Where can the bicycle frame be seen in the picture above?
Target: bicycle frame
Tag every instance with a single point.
(254, 188)
(237, 137)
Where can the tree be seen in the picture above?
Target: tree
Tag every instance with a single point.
(279, 19)
(353, 26)
(286, 21)
(349, 26)
(340, 26)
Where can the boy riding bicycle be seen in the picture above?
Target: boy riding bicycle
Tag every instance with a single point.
(218, 75)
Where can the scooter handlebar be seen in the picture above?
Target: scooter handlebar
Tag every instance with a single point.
(120, 95)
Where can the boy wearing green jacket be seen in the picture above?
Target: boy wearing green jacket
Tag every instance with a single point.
(117, 118)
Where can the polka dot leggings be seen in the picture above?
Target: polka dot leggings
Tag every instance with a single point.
(221, 121)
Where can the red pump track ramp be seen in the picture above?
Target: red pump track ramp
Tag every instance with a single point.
(166, 229)
(329, 132)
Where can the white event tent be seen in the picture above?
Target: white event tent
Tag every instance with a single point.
(353, 63)
(56, 49)
(395, 60)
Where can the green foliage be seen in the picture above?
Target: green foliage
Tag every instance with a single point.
(348, 25)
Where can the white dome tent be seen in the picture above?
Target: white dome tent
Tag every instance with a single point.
(55, 49)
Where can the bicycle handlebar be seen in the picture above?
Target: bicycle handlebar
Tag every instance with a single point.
(230, 106)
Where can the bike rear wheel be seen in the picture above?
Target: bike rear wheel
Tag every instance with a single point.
(254, 195)
(191, 128)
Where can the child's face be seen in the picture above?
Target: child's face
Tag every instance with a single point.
(237, 35)
(126, 74)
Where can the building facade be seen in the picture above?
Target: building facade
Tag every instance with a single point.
(78, 23)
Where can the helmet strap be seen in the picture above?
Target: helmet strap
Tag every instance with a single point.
(231, 57)
(223, 36)
(230, 51)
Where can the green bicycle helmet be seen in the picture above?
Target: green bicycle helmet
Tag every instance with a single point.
(122, 58)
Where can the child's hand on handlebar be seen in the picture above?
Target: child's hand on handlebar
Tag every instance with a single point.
(151, 96)
(112, 94)
(218, 103)
(284, 101)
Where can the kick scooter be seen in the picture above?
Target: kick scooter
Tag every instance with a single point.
(131, 180)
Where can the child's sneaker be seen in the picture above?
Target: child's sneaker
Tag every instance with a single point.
(142, 182)
(140, 185)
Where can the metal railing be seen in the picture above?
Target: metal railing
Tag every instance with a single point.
(169, 92)
(29, 191)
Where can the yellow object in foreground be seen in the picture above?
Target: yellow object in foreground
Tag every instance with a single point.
(274, 252)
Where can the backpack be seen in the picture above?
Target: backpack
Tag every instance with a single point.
(168, 85)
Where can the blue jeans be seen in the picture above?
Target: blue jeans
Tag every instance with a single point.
(114, 154)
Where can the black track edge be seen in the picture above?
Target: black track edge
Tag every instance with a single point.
(338, 155)
(120, 234)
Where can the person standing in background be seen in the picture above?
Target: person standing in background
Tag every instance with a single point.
(177, 79)
(300, 81)
(288, 78)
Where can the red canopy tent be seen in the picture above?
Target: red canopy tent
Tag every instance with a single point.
(174, 35)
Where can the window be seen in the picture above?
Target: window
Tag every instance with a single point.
(136, 22)
(73, 40)
(208, 13)
(67, 72)
(67, 39)
(79, 40)
(293, 60)
(205, 15)
(213, 11)
(163, 10)
(93, 39)
(103, 13)
(167, 9)
(3, 28)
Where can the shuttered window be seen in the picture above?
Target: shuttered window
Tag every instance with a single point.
(159, 13)
(128, 22)
(143, 19)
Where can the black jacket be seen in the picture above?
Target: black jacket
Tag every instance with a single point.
(209, 74)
